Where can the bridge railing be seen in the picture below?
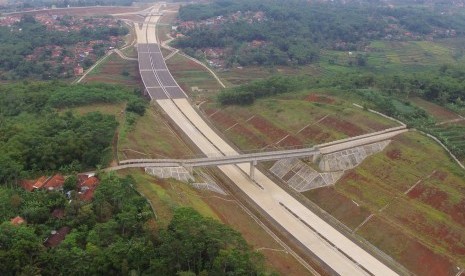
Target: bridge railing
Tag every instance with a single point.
(224, 156)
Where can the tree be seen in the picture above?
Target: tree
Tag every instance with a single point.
(70, 183)
(20, 248)
(137, 106)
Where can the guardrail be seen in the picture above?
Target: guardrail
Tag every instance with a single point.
(217, 160)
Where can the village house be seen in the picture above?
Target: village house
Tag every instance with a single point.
(17, 220)
(57, 237)
(53, 183)
(78, 70)
(86, 187)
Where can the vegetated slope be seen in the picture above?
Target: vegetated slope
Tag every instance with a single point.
(416, 227)
(410, 196)
(268, 33)
(34, 136)
(389, 94)
(114, 234)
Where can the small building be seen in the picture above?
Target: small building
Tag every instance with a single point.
(40, 182)
(50, 183)
(78, 71)
(27, 185)
(57, 237)
(17, 220)
(87, 186)
(54, 183)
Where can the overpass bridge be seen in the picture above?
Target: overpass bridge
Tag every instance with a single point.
(234, 158)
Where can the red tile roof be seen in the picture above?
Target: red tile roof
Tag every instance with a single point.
(55, 182)
(89, 182)
(56, 238)
(87, 187)
(81, 178)
(27, 185)
(17, 220)
(40, 182)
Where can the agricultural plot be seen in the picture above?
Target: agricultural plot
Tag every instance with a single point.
(293, 121)
(453, 136)
(195, 80)
(406, 203)
(408, 55)
(436, 111)
(116, 70)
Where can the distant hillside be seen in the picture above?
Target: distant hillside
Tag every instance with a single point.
(268, 33)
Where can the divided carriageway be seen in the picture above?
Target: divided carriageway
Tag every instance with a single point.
(338, 252)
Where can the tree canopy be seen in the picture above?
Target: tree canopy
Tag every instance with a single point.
(116, 234)
(295, 33)
(36, 137)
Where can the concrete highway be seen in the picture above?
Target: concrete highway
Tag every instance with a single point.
(331, 247)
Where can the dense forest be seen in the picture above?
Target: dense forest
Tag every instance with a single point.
(20, 40)
(115, 234)
(36, 137)
(294, 34)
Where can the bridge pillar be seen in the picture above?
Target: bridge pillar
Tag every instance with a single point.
(252, 169)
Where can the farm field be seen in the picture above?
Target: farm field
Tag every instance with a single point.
(450, 126)
(406, 203)
(116, 70)
(438, 112)
(424, 225)
(303, 119)
(382, 57)
(189, 74)
(454, 136)
(166, 195)
(242, 75)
